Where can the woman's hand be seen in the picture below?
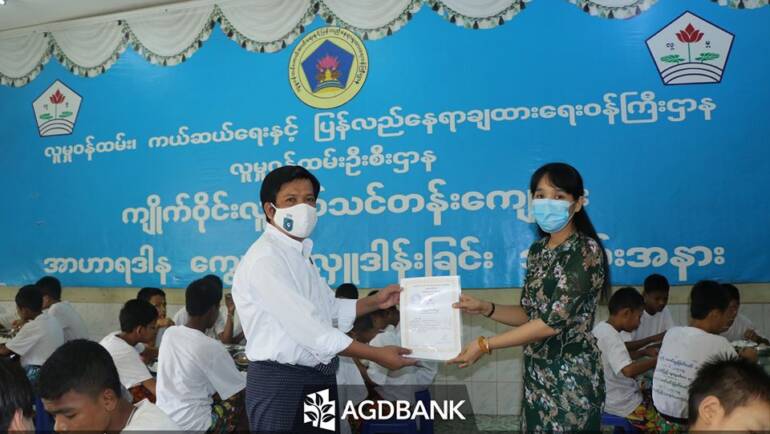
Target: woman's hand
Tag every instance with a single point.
(469, 356)
(473, 306)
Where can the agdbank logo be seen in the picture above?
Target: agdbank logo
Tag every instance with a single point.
(328, 67)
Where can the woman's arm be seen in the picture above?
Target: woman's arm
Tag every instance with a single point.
(506, 314)
(532, 331)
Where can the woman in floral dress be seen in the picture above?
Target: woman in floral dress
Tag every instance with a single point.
(567, 273)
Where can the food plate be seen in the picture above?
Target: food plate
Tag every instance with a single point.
(241, 359)
(743, 344)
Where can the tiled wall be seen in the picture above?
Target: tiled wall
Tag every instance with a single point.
(494, 383)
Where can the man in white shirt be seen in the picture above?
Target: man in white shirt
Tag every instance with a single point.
(686, 349)
(40, 335)
(193, 367)
(17, 400)
(656, 317)
(71, 322)
(80, 388)
(623, 396)
(138, 325)
(403, 383)
(288, 310)
(741, 328)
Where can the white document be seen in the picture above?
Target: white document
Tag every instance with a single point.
(430, 326)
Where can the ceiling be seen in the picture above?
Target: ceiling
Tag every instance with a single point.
(24, 13)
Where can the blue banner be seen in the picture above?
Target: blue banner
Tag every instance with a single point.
(150, 175)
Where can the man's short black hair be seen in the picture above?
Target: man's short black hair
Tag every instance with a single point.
(15, 393)
(625, 298)
(200, 296)
(149, 292)
(347, 291)
(656, 283)
(274, 180)
(734, 382)
(30, 297)
(50, 287)
(732, 292)
(80, 365)
(707, 295)
(137, 313)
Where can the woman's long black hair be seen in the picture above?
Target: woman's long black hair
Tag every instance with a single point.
(567, 178)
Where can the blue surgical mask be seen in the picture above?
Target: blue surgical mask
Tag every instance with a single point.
(551, 215)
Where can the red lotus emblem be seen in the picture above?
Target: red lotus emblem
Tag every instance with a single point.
(328, 62)
(57, 98)
(689, 35)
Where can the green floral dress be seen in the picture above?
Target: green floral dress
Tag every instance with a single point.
(563, 378)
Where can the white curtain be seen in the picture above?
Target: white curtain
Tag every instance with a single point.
(171, 35)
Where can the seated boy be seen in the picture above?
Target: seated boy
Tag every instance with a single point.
(351, 375)
(400, 384)
(40, 335)
(157, 298)
(199, 386)
(16, 399)
(623, 397)
(730, 396)
(227, 328)
(80, 387)
(347, 291)
(740, 327)
(72, 323)
(686, 349)
(656, 318)
(137, 325)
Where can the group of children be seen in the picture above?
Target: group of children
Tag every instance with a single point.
(699, 381)
(111, 386)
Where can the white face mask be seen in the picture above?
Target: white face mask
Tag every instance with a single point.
(298, 220)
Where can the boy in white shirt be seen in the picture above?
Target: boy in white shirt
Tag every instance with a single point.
(137, 325)
(730, 396)
(623, 396)
(351, 374)
(656, 317)
(16, 399)
(199, 386)
(403, 383)
(686, 349)
(80, 387)
(157, 298)
(72, 323)
(40, 335)
(740, 327)
(227, 328)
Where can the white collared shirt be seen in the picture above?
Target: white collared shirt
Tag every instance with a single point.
(37, 340)
(399, 384)
(739, 328)
(71, 322)
(287, 310)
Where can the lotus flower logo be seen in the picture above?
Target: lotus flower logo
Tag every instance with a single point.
(705, 44)
(689, 35)
(56, 110)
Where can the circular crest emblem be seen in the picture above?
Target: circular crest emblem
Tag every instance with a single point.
(328, 67)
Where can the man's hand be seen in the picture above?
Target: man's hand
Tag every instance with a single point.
(392, 357)
(388, 296)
